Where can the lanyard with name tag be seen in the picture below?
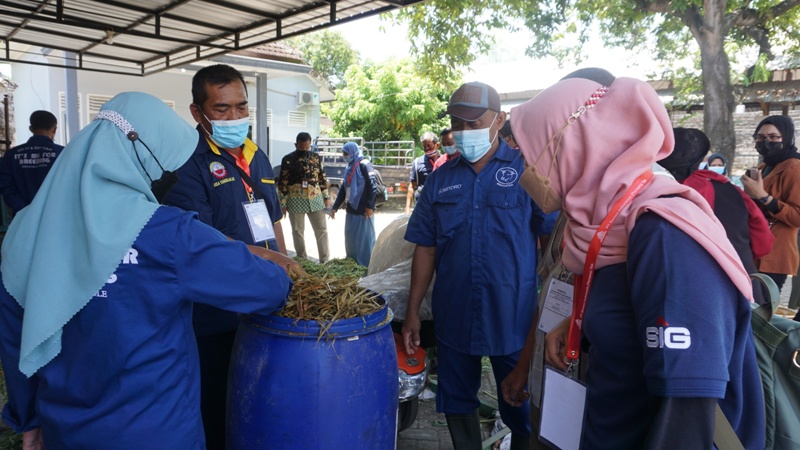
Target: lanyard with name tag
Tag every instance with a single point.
(258, 218)
(563, 410)
(564, 398)
(556, 306)
(259, 221)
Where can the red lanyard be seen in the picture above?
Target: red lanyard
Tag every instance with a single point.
(584, 282)
(241, 161)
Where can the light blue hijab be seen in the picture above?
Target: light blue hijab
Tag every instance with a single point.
(356, 181)
(62, 248)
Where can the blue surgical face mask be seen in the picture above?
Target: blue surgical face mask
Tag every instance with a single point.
(228, 133)
(717, 169)
(449, 149)
(473, 144)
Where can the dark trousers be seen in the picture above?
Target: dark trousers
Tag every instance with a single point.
(215, 357)
(778, 278)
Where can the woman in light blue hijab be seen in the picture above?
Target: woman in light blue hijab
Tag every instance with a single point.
(95, 318)
(359, 188)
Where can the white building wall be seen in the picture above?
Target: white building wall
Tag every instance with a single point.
(282, 97)
(33, 94)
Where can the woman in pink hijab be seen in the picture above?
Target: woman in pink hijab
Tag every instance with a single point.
(667, 314)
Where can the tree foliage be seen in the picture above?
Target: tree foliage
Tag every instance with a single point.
(448, 35)
(328, 52)
(452, 32)
(387, 102)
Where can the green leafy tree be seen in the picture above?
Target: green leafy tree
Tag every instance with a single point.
(328, 52)
(452, 33)
(388, 101)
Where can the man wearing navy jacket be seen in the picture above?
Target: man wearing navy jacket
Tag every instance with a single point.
(24, 167)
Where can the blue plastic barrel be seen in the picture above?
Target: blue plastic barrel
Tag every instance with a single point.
(287, 389)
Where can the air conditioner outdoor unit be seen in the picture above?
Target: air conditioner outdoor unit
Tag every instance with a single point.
(307, 98)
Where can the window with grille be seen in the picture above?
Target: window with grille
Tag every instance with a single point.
(253, 128)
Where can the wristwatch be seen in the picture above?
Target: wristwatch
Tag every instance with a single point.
(763, 200)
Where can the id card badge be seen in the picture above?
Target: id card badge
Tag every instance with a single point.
(259, 221)
(563, 410)
(557, 304)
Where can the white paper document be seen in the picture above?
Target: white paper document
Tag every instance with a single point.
(557, 304)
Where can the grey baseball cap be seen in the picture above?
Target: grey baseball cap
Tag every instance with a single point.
(471, 100)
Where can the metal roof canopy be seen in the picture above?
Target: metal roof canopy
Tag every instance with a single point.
(141, 37)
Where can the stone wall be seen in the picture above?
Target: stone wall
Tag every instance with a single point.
(745, 125)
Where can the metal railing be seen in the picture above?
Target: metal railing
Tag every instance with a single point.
(380, 153)
(390, 153)
(330, 149)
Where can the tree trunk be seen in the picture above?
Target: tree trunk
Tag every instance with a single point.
(718, 100)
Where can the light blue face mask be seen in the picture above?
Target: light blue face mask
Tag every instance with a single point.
(718, 169)
(228, 133)
(473, 144)
(449, 149)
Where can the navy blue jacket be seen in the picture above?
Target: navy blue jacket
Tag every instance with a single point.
(210, 185)
(24, 168)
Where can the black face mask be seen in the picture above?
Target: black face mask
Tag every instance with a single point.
(767, 148)
(160, 187)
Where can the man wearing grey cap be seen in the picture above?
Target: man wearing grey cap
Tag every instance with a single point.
(477, 228)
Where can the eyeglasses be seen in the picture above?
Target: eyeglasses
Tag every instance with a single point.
(767, 137)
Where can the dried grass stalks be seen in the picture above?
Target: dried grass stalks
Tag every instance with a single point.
(327, 298)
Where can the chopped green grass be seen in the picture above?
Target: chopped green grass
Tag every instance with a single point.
(339, 268)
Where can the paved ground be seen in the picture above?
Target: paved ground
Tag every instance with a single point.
(429, 431)
(335, 232)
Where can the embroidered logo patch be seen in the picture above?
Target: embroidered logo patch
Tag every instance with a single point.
(506, 176)
(664, 335)
(218, 170)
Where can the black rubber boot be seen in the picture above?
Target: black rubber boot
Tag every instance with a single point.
(465, 431)
(520, 442)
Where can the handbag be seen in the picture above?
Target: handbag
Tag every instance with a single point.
(777, 342)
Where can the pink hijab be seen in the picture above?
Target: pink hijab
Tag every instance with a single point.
(599, 155)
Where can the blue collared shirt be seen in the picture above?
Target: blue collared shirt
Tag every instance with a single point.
(421, 168)
(485, 229)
